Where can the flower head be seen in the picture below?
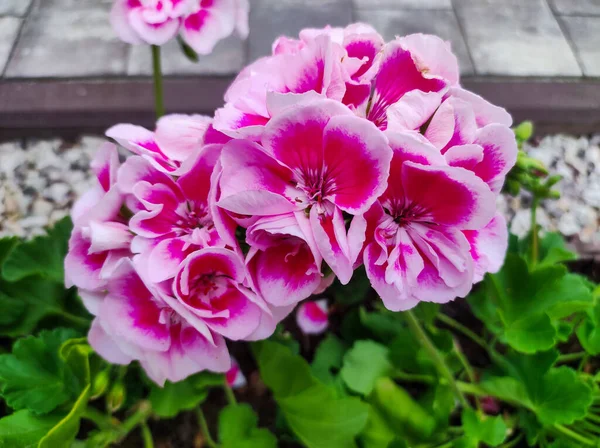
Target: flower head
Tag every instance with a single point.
(201, 23)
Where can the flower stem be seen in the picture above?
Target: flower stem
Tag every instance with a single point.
(159, 105)
(101, 420)
(534, 232)
(462, 329)
(229, 393)
(573, 435)
(443, 369)
(469, 371)
(147, 436)
(137, 418)
(81, 322)
(204, 429)
(570, 357)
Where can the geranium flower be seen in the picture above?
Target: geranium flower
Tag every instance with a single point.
(235, 377)
(100, 238)
(173, 218)
(416, 249)
(134, 323)
(318, 159)
(312, 317)
(202, 23)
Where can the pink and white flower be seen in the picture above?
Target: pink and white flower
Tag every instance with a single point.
(201, 23)
(313, 317)
(173, 218)
(135, 323)
(309, 162)
(235, 377)
(416, 249)
(100, 238)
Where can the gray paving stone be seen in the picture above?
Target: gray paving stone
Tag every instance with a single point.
(227, 58)
(9, 30)
(399, 23)
(73, 43)
(585, 35)
(515, 38)
(270, 19)
(14, 7)
(46, 5)
(404, 4)
(577, 7)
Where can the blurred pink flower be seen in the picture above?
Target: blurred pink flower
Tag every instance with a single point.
(201, 23)
(312, 317)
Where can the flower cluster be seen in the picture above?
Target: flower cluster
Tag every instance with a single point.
(337, 150)
(201, 23)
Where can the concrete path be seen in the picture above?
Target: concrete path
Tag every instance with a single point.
(72, 38)
(48, 42)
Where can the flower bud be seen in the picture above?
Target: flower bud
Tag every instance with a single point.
(100, 384)
(115, 397)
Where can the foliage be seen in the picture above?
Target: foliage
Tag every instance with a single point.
(512, 365)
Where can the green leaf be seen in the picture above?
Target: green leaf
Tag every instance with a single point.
(588, 332)
(553, 250)
(364, 364)
(487, 429)
(58, 429)
(238, 428)
(43, 255)
(185, 395)
(34, 376)
(523, 307)
(40, 299)
(562, 397)
(426, 312)
(328, 356)
(65, 431)
(312, 410)
(407, 417)
(383, 325)
(24, 429)
(377, 432)
(355, 291)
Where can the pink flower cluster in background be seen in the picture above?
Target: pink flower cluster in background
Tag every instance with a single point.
(201, 23)
(337, 150)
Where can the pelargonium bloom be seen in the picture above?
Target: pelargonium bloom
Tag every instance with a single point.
(201, 23)
(351, 65)
(137, 323)
(312, 317)
(100, 237)
(316, 159)
(417, 250)
(235, 377)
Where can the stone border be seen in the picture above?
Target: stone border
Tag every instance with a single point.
(61, 108)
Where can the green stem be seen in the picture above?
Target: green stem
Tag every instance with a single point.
(101, 420)
(534, 232)
(469, 370)
(589, 426)
(462, 329)
(78, 321)
(147, 436)
(413, 377)
(573, 435)
(204, 429)
(229, 393)
(443, 369)
(512, 442)
(593, 418)
(159, 105)
(137, 418)
(570, 357)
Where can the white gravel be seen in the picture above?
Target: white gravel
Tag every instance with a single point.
(40, 180)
